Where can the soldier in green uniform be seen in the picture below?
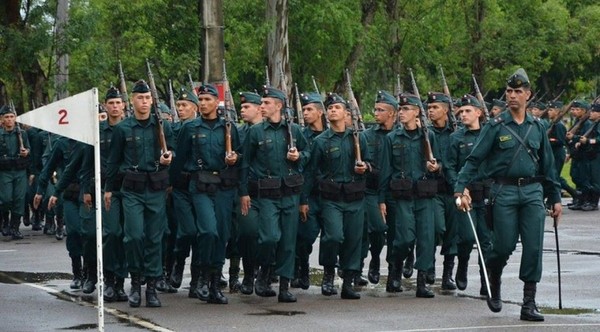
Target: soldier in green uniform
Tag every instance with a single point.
(407, 174)
(337, 169)
(207, 148)
(386, 107)
(557, 135)
(14, 162)
(248, 224)
(498, 106)
(460, 146)
(186, 233)
(580, 166)
(135, 153)
(35, 141)
(310, 213)
(444, 207)
(591, 147)
(519, 159)
(274, 151)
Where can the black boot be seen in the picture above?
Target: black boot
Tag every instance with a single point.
(495, 302)
(60, 229)
(202, 292)
(394, 281)
(592, 202)
(195, 270)
(91, 277)
(121, 296)
(462, 272)
(163, 286)
(152, 300)
(359, 280)
(215, 295)
(374, 270)
(135, 297)
(327, 287)
(529, 310)
(422, 289)
(109, 287)
(49, 226)
(348, 292)
(15, 222)
(447, 281)
(578, 202)
(430, 275)
(262, 285)
(177, 272)
(247, 286)
(234, 275)
(222, 281)
(303, 274)
(284, 294)
(409, 264)
(26, 216)
(6, 225)
(78, 277)
(37, 223)
(483, 288)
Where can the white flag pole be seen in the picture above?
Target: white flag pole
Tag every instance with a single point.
(98, 205)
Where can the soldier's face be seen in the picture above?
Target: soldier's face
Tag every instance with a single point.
(186, 109)
(383, 113)
(114, 107)
(250, 113)
(8, 120)
(517, 98)
(270, 108)
(536, 112)
(496, 110)
(469, 115)
(408, 113)
(552, 113)
(437, 111)
(141, 102)
(208, 105)
(594, 116)
(311, 113)
(337, 112)
(577, 112)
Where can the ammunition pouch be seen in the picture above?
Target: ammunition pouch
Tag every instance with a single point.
(292, 184)
(426, 188)
(330, 190)
(182, 182)
(207, 182)
(159, 181)
(135, 181)
(402, 188)
(269, 188)
(71, 193)
(14, 164)
(354, 191)
(21, 163)
(229, 177)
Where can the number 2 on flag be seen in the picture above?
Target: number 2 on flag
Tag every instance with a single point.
(63, 117)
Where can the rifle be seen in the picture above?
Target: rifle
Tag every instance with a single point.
(287, 111)
(172, 103)
(353, 103)
(428, 152)
(267, 80)
(18, 132)
(123, 88)
(579, 123)
(320, 101)
(451, 116)
(480, 98)
(160, 134)
(562, 113)
(229, 109)
(191, 81)
(398, 92)
(299, 106)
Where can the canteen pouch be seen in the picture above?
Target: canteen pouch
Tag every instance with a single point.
(207, 181)
(354, 191)
(426, 188)
(159, 181)
(401, 188)
(489, 213)
(476, 191)
(330, 190)
(71, 192)
(269, 188)
(135, 182)
(293, 184)
(229, 177)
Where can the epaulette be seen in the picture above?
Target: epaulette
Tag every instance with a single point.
(496, 120)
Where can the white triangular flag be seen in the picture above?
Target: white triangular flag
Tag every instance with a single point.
(73, 117)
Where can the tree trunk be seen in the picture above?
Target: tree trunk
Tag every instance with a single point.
(212, 47)
(61, 78)
(278, 46)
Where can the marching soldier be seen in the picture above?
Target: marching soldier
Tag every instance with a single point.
(337, 169)
(136, 154)
(14, 162)
(274, 150)
(519, 159)
(206, 149)
(407, 175)
(498, 106)
(580, 166)
(591, 147)
(557, 136)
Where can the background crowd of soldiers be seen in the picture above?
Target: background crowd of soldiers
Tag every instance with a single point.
(260, 191)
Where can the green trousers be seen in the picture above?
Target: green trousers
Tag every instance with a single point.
(374, 228)
(113, 249)
(247, 233)
(445, 225)
(187, 232)
(464, 232)
(74, 227)
(13, 188)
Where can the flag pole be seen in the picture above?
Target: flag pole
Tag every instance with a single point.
(98, 206)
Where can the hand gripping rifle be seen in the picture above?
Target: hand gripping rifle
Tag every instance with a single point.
(428, 152)
(320, 101)
(299, 106)
(480, 98)
(451, 116)
(123, 88)
(160, 134)
(353, 103)
(287, 110)
(229, 110)
(172, 103)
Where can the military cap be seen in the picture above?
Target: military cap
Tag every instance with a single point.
(188, 95)
(498, 103)
(437, 97)
(111, 93)
(4, 109)
(270, 92)
(488, 105)
(555, 104)
(456, 102)
(386, 98)
(140, 87)
(518, 79)
(595, 107)
(310, 98)
(250, 97)
(334, 98)
(581, 104)
(208, 89)
(540, 105)
(163, 108)
(470, 100)
(409, 99)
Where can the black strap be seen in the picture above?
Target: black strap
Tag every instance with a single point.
(522, 142)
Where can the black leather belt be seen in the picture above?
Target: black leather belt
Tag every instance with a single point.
(519, 181)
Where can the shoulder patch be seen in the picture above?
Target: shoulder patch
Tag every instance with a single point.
(496, 120)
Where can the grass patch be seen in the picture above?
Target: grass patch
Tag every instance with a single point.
(565, 174)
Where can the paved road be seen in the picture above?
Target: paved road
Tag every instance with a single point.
(34, 293)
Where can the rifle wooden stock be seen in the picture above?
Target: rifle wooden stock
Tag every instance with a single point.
(287, 111)
(123, 89)
(160, 134)
(172, 102)
(299, 106)
(427, 151)
(480, 98)
(579, 123)
(451, 117)
(18, 132)
(320, 101)
(355, 110)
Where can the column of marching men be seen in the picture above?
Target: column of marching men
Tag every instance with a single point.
(262, 192)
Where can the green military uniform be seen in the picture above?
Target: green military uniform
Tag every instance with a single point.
(592, 153)
(403, 169)
(274, 183)
(557, 135)
(580, 165)
(35, 141)
(135, 154)
(519, 159)
(13, 176)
